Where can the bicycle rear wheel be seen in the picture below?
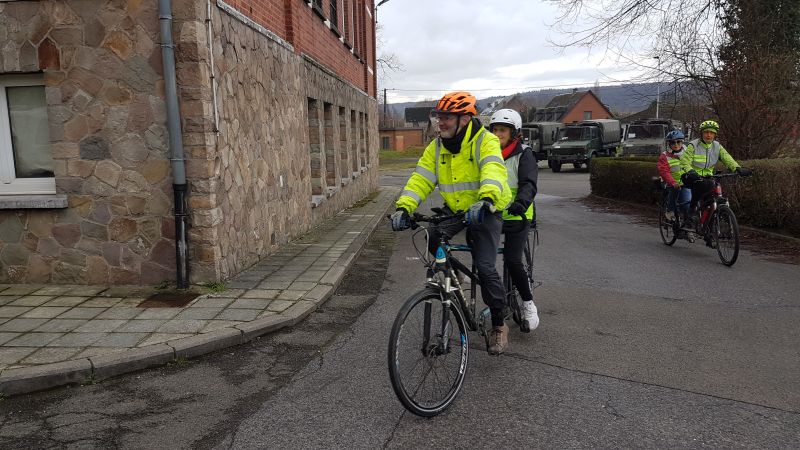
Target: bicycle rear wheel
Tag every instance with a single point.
(726, 235)
(428, 353)
(668, 235)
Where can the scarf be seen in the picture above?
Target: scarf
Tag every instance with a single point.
(510, 148)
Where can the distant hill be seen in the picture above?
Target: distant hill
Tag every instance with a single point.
(622, 99)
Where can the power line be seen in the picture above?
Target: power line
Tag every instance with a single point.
(554, 86)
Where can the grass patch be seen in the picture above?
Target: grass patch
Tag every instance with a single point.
(409, 152)
(365, 200)
(215, 286)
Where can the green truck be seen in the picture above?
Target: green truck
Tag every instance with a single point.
(646, 137)
(540, 136)
(578, 143)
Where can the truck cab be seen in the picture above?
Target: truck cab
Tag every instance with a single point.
(646, 137)
(580, 142)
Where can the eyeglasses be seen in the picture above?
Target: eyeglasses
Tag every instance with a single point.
(675, 142)
(443, 117)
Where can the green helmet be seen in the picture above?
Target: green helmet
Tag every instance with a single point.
(709, 125)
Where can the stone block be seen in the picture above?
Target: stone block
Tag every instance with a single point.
(90, 82)
(49, 56)
(94, 148)
(119, 43)
(67, 36)
(130, 152)
(112, 253)
(115, 94)
(97, 270)
(122, 229)
(79, 167)
(108, 172)
(76, 128)
(163, 253)
(67, 234)
(14, 255)
(106, 366)
(93, 230)
(93, 33)
(81, 204)
(11, 229)
(155, 170)
(118, 275)
(101, 213)
(65, 150)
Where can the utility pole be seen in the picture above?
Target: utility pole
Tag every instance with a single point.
(658, 84)
(384, 107)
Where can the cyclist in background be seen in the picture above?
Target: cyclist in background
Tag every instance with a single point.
(699, 159)
(466, 164)
(669, 168)
(523, 173)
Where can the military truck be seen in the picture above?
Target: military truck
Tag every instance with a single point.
(578, 143)
(646, 137)
(540, 136)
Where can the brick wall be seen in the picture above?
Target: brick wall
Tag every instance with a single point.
(304, 27)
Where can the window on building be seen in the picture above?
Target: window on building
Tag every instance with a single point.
(385, 142)
(26, 159)
(587, 115)
(347, 15)
(334, 17)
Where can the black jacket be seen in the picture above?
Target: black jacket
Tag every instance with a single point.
(528, 174)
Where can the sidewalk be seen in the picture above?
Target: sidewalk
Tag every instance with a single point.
(54, 335)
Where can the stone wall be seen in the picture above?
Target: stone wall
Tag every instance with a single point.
(250, 180)
(104, 89)
(260, 194)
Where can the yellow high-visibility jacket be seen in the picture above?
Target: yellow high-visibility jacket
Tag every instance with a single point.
(702, 157)
(464, 178)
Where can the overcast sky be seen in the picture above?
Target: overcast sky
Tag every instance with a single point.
(487, 47)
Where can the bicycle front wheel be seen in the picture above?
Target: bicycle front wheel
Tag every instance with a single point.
(726, 235)
(666, 227)
(428, 353)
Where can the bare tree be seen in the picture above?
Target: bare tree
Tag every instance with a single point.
(722, 52)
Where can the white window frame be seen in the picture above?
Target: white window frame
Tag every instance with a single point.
(9, 183)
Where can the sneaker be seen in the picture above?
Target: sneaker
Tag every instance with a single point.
(498, 340)
(669, 215)
(530, 316)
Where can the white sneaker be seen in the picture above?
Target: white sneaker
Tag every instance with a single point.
(530, 314)
(669, 215)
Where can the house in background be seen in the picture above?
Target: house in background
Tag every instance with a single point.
(278, 120)
(573, 107)
(415, 132)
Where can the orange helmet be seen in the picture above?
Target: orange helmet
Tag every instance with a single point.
(457, 103)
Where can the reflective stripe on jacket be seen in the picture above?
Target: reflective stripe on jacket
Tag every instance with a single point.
(476, 172)
(702, 157)
(513, 167)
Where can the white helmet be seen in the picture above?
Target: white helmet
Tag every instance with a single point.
(506, 117)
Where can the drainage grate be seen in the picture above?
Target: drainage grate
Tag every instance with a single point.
(168, 300)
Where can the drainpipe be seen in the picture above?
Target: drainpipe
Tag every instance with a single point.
(175, 142)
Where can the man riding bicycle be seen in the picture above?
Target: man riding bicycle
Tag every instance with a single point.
(523, 173)
(466, 164)
(699, 159)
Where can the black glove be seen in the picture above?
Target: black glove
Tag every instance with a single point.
(400, 220)
(476, 211)
(516, 209)
(690, 177)
(744, 171)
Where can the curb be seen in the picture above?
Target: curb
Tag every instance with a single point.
(96, 368)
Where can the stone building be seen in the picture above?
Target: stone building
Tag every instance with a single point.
(278, 118)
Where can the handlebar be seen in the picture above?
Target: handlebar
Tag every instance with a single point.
(437, 218)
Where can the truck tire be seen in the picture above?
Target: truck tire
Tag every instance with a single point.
(555, 166)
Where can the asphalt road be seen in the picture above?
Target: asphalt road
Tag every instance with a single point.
(640, 345)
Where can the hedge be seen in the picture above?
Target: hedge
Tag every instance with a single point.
(769, 199)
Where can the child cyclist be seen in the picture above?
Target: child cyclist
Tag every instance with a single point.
(523, 173)
(669, 167)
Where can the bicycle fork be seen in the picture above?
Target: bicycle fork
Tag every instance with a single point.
(439, 344)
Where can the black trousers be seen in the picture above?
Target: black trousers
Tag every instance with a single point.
(485, 239)
(699, 189)
(516, 238)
